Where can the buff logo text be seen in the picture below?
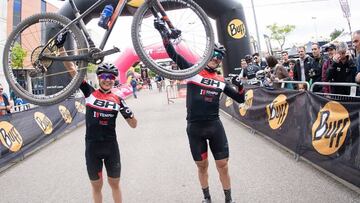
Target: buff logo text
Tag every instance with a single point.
(330, 130)
(44, 124)
(105, 104)
(235, 29)
(66, 115)
(278, 112)
(10, 137)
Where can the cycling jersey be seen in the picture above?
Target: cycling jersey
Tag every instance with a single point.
(202, 103)
(101, 112)
(203, 90)
(101, 145)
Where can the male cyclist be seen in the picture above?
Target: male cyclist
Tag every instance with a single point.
(203, 123)
(102, 107)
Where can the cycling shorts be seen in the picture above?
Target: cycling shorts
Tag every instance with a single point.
(97, 153)
(213, 131)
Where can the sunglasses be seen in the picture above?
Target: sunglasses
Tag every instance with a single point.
(106, 76)
(218, 55)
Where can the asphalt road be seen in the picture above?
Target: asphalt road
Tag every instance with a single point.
(157, 166)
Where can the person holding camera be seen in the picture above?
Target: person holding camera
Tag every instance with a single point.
(343, 69)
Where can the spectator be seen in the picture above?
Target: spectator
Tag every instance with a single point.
(331, 52)
(243, 63)
(343, 69)
(149, 83)
(292, 63)
(303, 66)
(251, 69)
(279, 73)
(133, 84)
(316, 71)
(242, 68)
(258, 62)
(159, 82)
(285, 59)
(356, 42)
(5, 105)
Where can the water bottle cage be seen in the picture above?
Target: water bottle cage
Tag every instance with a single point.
(105, 16)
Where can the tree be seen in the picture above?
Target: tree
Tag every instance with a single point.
(334, 34)
(18, 55)
(91, 68)
(279, 33)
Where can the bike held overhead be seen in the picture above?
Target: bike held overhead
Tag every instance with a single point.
(34, 40)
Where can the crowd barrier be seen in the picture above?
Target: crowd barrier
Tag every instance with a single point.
(320, 130)
(351, 97)
(22, 133)
(284, 83)
(175, 91)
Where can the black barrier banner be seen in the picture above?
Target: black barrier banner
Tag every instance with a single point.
(323, 131)
(22, 133)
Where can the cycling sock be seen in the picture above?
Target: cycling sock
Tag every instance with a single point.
(206, 193)
(227, 195)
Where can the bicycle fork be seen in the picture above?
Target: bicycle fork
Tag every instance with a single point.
(155, 7)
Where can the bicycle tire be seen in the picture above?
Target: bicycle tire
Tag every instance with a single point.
(75, 82)
(150, 62)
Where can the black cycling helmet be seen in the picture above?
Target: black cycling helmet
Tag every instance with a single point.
(107, 68)
(219, 48)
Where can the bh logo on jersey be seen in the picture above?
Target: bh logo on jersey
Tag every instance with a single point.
(330, 128)
(10, 137)
(236, 29)
(277, 111)
(210, 82)
(44, 122)
(105, 104)
(249, 97)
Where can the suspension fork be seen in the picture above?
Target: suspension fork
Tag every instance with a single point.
(155, 7)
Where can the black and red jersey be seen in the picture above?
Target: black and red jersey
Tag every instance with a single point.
(101, 113)
(203, 90)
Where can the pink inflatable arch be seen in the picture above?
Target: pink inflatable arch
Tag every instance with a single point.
(157, 51)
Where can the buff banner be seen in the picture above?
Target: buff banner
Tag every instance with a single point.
(323, 131)
(23, 132)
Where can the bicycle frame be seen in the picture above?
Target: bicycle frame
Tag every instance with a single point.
(79, 19)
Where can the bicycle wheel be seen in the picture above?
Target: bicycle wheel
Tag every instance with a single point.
(43, 82)
(195, 44)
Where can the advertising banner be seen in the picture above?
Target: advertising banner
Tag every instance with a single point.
(22, 133)
(323, 131)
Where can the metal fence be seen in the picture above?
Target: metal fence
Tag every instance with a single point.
(304, 85)
(351, 97)
(171, 93)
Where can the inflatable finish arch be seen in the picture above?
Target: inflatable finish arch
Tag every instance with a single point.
(230, 20)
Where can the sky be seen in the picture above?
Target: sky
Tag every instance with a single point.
(313, 19)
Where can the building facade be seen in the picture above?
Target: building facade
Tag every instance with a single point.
(3, 34)
(18, 10)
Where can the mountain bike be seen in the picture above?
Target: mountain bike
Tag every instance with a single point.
(31, 60)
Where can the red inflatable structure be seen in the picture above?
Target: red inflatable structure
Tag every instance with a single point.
(157, 51)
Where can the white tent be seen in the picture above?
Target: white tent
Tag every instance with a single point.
(343, 37)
